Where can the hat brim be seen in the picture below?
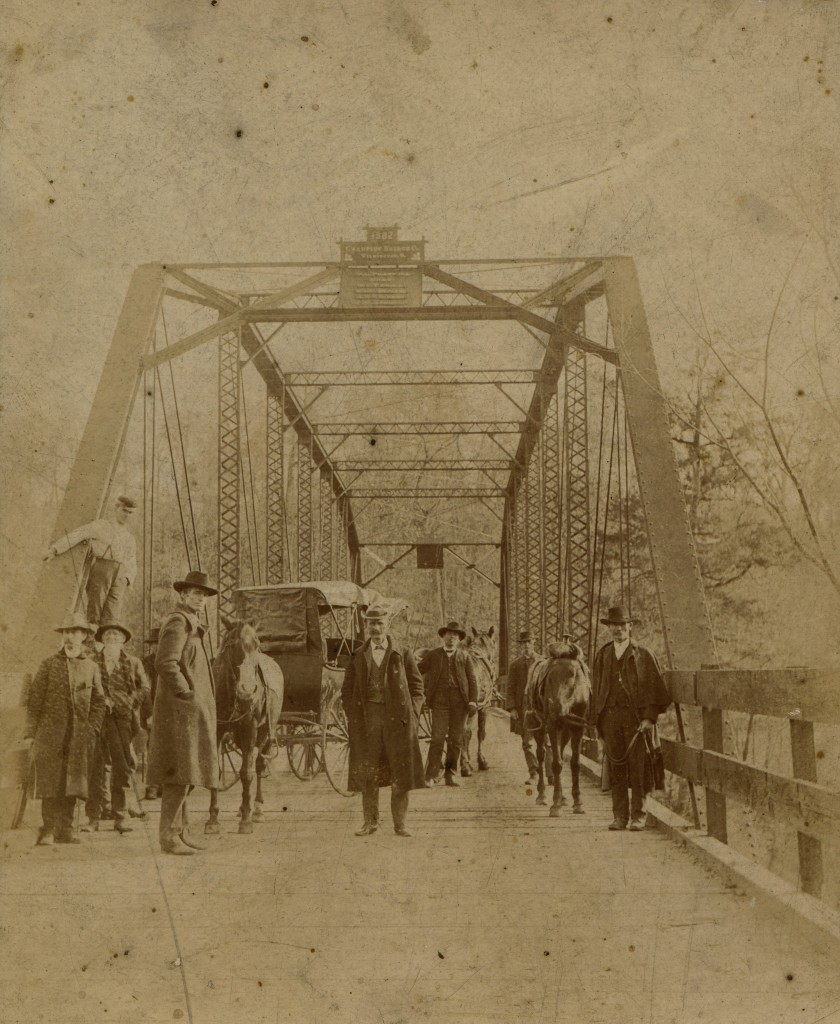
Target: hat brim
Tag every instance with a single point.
(617, 622)
(69, 629)
(112, 625)
(461, 633)
(182, 585)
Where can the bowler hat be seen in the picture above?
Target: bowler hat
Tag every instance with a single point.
(616, 616)
(74, 620)
(194, 578)
(375, 613)
(113, 625)
(452, 627)
(525, 636)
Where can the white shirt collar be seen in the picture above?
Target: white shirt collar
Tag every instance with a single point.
(620, 648)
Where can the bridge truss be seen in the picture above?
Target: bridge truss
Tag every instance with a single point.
(328, 473)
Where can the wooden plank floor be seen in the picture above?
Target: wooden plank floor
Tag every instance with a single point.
(492, 912)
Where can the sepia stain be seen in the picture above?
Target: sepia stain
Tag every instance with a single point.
(404, 24)
(18, 52)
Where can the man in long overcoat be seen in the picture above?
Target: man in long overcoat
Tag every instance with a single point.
(182, 744)
(126, 688)
(517, 680)
(64, 709)
(382, 696)
(628, 695)
(452, 694)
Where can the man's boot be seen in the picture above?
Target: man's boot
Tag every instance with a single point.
(171, 842)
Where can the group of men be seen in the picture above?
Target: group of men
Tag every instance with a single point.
(91, 703)
(628, 696)
(88, 703)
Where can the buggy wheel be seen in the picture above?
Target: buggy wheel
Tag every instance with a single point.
(303, 748)
(335, 746)
(230, 762)
(424, 725)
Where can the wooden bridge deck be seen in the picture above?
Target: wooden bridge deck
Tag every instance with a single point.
(491, 912)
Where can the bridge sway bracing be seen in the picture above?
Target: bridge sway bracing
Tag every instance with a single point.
(305, 519)
(275, 484)
(230, 449)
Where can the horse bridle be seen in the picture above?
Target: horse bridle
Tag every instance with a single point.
(225, 652)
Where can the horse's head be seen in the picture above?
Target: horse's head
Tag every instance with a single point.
(483, 643)
(567, 684)
(236, 663)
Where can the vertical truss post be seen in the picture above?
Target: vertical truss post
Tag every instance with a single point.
(520, 568)
(577, 498)
(342, 559)
(326, 523)
(505, 593)
(275, 521)
(229, 469)
(552, 577)
(304, 510)
(533, 547)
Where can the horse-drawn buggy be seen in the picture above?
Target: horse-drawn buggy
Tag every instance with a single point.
(287, 647)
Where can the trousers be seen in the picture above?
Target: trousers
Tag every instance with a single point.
(57, 814)
(112, 748)
(105, 590)
(174, 814)
(377, 742)
(448, 721)
(618, 726)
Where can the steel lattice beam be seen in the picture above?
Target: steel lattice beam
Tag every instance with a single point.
(421, 465)
(364, 378)
(428, 492)
(434, 427)
(229, 469)
(275, 531)
(533, 548)
(304, 511)
(551, 520)
(520, 557)
(577, 500)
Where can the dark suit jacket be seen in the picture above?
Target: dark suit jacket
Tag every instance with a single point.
(434, 667)
(642, 677)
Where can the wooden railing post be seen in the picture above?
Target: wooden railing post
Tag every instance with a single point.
(805, 768)
(715, 802)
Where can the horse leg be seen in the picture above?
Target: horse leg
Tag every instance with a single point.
(539, 738)
(577, 736)
(557, 768)
(262, 773)
(246, 826)
(211, 826)
(482, 734)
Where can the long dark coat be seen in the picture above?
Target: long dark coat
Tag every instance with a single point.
(403, 701)
(64, 709)
(435, 668)
(641, 675)
(517, 680)
(182, 744)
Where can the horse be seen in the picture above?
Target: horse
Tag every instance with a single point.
(481, 647)
(558, 694)
(249, 699)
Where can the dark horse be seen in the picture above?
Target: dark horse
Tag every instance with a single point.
(249, 699)
(481, 647)
(558, 694)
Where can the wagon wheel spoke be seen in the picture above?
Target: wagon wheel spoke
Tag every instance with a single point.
(424, 726)
(303, 750)
(335, 743)
(230, 762)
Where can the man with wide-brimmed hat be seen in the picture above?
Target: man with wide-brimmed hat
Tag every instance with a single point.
(517, 680)
(126, 687)
(382, 695)
(628, 695)
(64, 709)
(182, 744)
(452, 694)
(114, 560)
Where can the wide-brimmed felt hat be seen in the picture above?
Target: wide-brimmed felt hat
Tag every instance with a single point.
(524, 636)
(74, 620)
(616, 616)
(375, 613)
(452, 627)
(113, 625)
(194, 578)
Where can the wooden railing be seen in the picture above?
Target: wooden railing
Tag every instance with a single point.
(803, 697)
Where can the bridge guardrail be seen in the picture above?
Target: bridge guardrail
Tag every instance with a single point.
(803, 697)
